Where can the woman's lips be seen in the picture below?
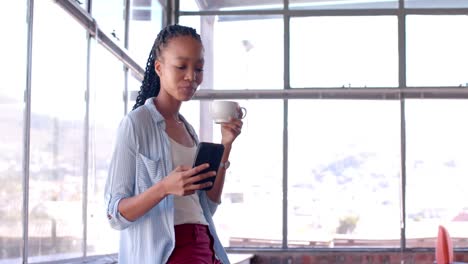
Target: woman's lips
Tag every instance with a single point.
(190, 87)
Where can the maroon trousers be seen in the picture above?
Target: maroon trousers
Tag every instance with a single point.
(194, 245)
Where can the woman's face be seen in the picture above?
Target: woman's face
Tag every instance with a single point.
(180, 67)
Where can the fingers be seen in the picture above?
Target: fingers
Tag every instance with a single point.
(235, 126)
(201, 177)
(196, 170)
(189, 176)
(194, 187)
(189, 171)
(199, 186)
(202, 185)
(236, 122)
(193, 174)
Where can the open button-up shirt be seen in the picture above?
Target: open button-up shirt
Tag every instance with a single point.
(142, 158)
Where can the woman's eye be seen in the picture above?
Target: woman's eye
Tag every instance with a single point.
(185, 67)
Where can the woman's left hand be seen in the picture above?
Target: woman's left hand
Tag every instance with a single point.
(230, 130)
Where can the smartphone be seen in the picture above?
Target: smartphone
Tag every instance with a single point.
(208, 153)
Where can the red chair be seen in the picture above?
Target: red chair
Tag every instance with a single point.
(444, 247)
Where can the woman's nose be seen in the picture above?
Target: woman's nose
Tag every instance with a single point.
(191, 76)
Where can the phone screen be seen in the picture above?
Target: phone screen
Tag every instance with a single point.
(210, 153)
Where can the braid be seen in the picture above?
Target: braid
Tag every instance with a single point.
(151, 83)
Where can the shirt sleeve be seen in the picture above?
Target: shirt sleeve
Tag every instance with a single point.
(121, 178)
(212, 206)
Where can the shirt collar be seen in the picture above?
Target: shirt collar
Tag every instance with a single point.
(149, 104)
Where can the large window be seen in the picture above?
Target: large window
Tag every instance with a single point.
(437, 53)
(248, 188)
(343, 4)
(106, 111)
(344, 52)
(350, 165)
(195, 5)
(57, 135)
(436, 3)
(247, 53)
(254, 60)
(70, 123)
(251, 214)
(145, 22)
(13, 83)
(354, 136)
(437, 169)
(146, 18)
(111, 19)
(343, 173)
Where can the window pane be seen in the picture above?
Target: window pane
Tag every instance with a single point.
(437, 169)
(237, 55)
(436, 3)
(191, 111)
(436, 50)
(110, 18)
(13, 68)
(58, 109)
(133, 89)
(196, 5)
(343, 4)
(106, 111)
(254, 180)
(344, 52)
(344, 174)
(145, 22)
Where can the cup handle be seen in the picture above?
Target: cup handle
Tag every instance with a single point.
(244, 112)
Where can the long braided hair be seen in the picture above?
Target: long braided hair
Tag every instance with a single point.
(151, 83)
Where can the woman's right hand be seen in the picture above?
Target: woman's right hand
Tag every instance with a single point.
(181, 181)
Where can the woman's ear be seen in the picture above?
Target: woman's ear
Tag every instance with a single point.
(157, 67)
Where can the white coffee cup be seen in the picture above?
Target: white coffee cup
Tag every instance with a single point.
(222, 111)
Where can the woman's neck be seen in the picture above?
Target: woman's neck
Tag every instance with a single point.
(168, 106)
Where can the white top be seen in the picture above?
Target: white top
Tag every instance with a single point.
(187, 208)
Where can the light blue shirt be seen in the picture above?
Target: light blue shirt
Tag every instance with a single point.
(142, 158)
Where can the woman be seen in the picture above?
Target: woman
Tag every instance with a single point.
(151, 193)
